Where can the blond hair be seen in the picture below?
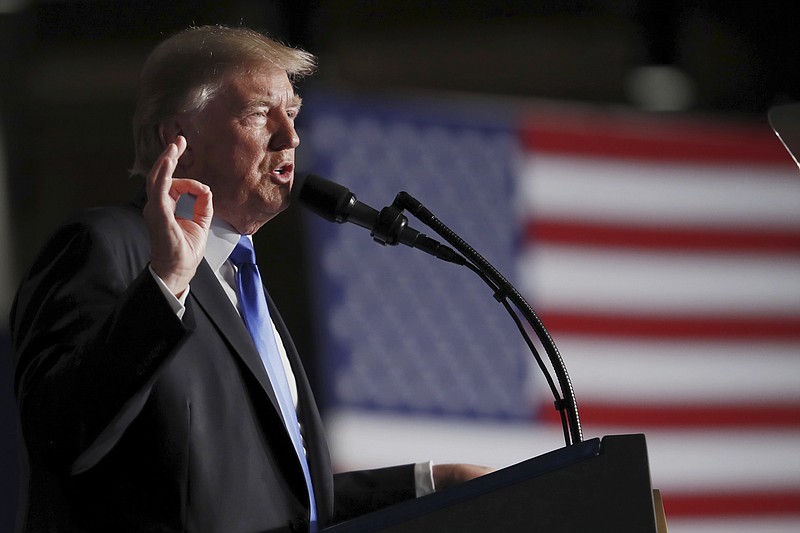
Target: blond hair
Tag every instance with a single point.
(186, 70)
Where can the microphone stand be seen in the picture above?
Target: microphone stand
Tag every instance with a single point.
(391, 218)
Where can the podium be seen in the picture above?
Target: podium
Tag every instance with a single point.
(595, 485)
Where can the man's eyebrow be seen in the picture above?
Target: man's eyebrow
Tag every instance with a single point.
(295, 102)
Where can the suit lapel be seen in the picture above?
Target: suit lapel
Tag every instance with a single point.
(318, 456)
(210, 296)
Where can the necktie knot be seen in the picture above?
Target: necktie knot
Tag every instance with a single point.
(243, 254)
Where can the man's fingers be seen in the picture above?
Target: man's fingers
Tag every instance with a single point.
(160, 175)
(188, 186)
(203, 208)
(180, 144)
(160, 168)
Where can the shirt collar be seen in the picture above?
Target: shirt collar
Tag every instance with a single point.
(222, 238)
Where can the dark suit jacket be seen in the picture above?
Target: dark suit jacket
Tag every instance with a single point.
(135, 420)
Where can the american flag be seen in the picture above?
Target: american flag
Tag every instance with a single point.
(662, 253)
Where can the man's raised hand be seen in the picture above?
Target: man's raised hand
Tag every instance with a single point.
(177, 245)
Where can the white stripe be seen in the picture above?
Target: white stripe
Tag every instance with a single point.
(620, 280)
(717, 461)
(679, 460)
(680, 373)
(361, 439)
(672, 194)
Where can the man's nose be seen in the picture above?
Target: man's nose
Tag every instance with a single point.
(285, 135)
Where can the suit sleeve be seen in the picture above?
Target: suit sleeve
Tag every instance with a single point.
(90, 327)
(361, 492)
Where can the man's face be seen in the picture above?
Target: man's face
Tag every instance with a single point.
(242, 143)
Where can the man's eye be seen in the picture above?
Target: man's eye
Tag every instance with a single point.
(256, 118)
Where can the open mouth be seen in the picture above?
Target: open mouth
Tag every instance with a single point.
(282, 174)
(284, 170)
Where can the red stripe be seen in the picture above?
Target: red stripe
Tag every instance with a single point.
(662, 238)
(700, 327)
(774, 415)
(616, 136)
(740, 504)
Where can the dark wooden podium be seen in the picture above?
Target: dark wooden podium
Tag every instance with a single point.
(598, 485)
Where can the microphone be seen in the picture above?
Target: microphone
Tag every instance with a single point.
(336, 203)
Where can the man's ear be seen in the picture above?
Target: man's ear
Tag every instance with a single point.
(168, 132)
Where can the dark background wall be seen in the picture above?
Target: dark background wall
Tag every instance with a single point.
(69, 71)
(72, 67)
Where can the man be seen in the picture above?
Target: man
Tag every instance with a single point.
(146, 403)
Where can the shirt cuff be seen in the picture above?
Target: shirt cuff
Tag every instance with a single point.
(178, 305)
(423, 477)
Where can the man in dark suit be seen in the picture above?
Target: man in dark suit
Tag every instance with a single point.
(144, 401)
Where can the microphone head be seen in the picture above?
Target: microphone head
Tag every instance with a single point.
(324, 197)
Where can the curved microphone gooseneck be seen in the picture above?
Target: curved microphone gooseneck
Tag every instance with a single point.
(336, 203)
(566, 403)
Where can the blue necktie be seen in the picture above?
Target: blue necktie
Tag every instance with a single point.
(253, 304)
